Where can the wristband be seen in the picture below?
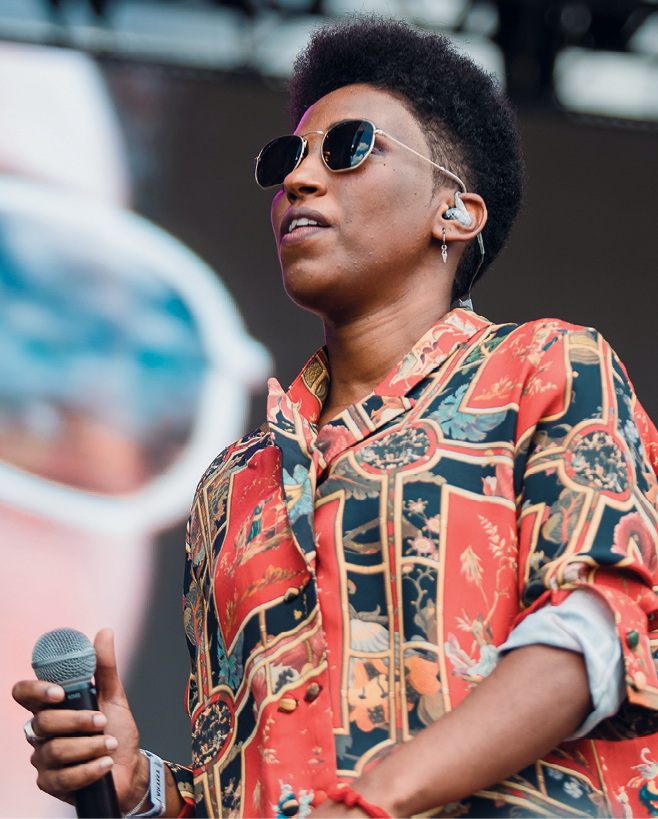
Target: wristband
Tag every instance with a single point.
(350, 797)
(156, 790)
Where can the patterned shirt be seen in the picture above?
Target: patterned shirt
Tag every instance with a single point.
(346, 588)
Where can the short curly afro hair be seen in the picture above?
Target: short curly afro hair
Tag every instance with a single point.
(471, 127)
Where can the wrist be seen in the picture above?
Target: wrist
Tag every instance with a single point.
(156, 794)
(382, 791)
(139, 786)
(355, 803)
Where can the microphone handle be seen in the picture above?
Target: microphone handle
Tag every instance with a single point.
(100, 798)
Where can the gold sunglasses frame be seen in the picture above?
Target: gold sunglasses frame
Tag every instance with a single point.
(375, 132)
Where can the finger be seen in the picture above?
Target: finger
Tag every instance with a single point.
(34, 695)
(53, 723)
(64, 751)
(64, 780)
(107, 679)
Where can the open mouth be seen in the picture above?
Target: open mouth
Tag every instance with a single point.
(301, 224)
(301, 229)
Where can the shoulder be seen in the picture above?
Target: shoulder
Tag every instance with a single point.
(542, 328)
(236, 456)
(209, 506)
(536, 343)
(546, 368)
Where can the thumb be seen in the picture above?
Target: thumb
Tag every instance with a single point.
(107, 678)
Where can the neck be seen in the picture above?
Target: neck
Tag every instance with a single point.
(363, 350)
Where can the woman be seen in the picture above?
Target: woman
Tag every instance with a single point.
(433, 564)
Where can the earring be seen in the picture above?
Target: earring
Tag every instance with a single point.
(444, 248)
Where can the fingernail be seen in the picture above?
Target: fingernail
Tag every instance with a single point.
(106, 762)
(111, 743)
(55, 692)
(99, 720)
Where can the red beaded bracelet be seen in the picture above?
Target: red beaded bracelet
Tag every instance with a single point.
(350, 797)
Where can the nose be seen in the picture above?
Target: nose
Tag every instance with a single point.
(310, 176)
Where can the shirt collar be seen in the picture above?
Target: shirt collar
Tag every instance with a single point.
(293, 416)
(309, 390)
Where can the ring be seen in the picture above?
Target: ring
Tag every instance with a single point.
(30, 736)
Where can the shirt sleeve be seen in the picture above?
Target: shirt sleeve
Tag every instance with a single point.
(183, 774)
(586, 490)
(184, 778)
(584, 624)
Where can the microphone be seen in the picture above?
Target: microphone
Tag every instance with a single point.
(66, 657)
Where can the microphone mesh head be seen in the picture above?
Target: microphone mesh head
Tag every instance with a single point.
(64, 657)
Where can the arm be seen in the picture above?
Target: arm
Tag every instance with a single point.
(66, 763)
(535, 697)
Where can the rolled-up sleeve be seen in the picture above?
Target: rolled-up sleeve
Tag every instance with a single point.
(586, 495)
(585, 625)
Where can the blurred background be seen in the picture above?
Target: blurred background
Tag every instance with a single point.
(141, 308)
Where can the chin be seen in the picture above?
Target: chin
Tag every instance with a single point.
(312, 301)
(312, 292)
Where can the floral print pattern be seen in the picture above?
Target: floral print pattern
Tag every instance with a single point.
(346, 588)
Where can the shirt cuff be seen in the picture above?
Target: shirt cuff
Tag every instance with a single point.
(585, 624)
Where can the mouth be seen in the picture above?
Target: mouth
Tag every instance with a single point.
(300, 223)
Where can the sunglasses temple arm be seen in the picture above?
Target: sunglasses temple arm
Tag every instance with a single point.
(448, 173)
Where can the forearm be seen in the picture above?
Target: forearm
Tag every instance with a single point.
(534, 698)
(175, 802)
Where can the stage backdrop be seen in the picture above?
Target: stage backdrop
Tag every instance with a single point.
(137, 362)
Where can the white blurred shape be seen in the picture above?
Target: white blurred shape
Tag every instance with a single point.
(218, 37)
(57, 123)
(645, 39)
(484, 52)
(204, 37)
(444, 13)
(27, 19)
(482, 19)
(607, 83)
(235, 362)
(277, 42)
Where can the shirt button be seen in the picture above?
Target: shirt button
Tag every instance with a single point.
(632, 639)
(312, 692)
(287, 704)
(291, 594)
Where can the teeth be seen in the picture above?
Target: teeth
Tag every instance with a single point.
(300, 223)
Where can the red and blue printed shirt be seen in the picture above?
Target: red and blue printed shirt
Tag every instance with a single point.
(348, 587)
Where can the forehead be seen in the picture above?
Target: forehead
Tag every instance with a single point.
(385, 109)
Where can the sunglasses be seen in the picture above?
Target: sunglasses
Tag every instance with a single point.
(345, 147)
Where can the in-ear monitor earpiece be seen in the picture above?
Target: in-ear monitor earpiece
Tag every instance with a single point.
(459, 213)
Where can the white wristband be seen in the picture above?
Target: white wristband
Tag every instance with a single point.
(157, 786)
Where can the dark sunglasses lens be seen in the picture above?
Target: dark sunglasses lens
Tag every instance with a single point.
(277, 159)
(347, 145)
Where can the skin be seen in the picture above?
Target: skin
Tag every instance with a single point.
(374, 274)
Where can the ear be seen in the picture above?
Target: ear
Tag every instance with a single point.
(456, 230)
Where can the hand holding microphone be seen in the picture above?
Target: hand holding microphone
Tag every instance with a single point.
(70, 754)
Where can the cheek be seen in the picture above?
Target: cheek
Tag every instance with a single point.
(392, 218)
(277, 212)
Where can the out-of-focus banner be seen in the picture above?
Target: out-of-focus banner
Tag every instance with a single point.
(124, 369)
